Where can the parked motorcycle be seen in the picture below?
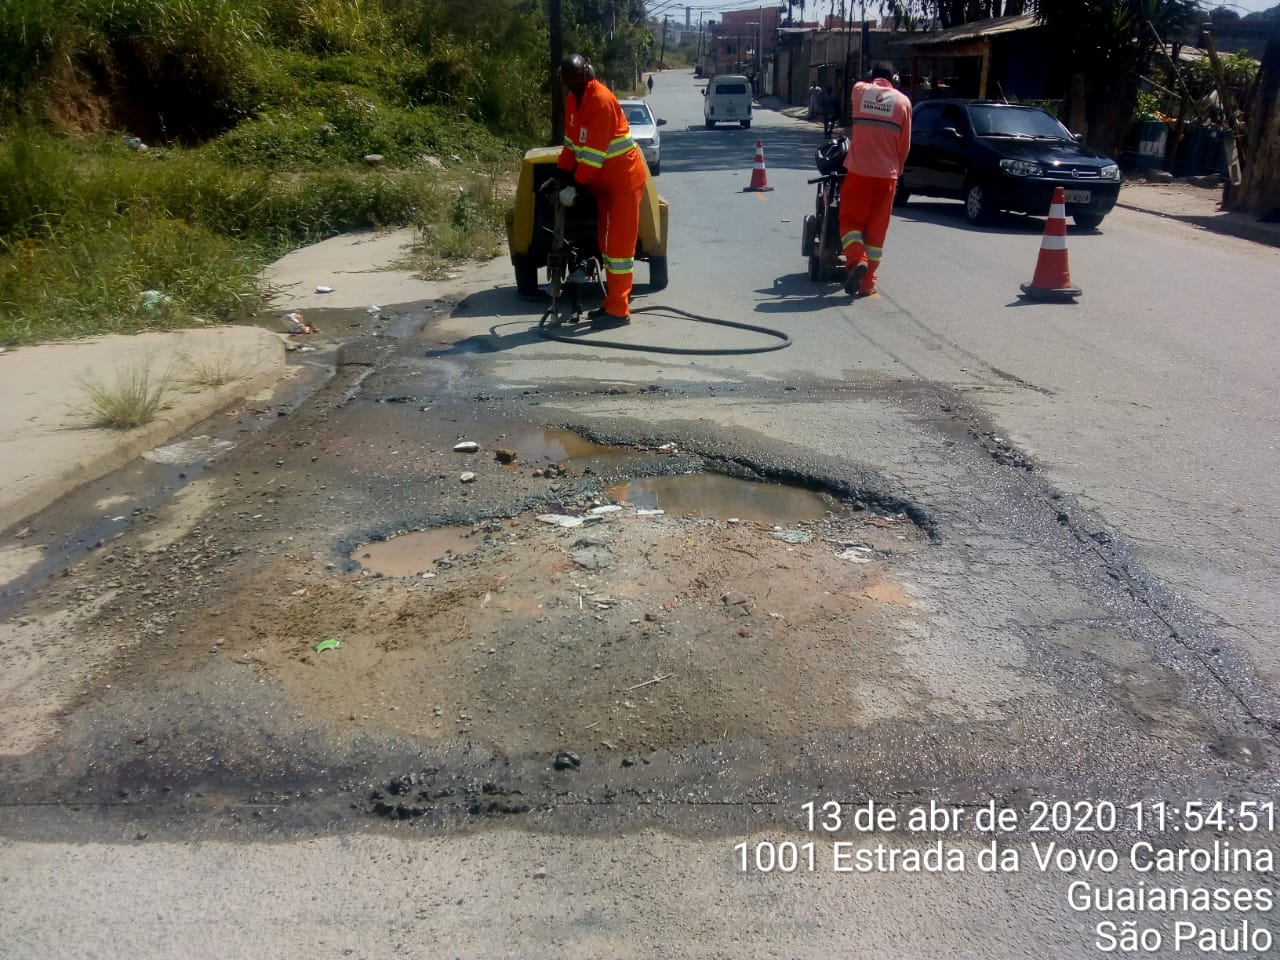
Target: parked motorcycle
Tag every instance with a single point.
(820, 241)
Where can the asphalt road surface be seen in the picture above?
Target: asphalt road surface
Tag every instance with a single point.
(954, 636)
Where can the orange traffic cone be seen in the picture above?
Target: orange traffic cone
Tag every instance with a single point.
(1053, 276)
(759, 182)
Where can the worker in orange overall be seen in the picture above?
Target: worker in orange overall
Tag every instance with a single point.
(602, 157)
(879, 139)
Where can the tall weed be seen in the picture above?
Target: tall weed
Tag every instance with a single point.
(193, 63)
(29, 35)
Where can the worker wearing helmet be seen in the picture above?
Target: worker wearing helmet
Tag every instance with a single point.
(602, 157)
(879, 140)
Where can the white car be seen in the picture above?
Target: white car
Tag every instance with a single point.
(645, 132)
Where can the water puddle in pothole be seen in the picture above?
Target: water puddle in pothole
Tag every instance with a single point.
(716, 496)
(398, 321)
(554, 446)
(412, 554)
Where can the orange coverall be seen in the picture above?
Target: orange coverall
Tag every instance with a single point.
(599, 150)
(879, 140)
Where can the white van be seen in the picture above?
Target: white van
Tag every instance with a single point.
(727, 99)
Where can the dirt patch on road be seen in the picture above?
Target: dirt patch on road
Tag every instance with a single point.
(632, 633)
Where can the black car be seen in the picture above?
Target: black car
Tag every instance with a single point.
(1001, 156)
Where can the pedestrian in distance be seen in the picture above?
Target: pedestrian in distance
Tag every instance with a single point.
(830, 108)
(650, 84)
(879, 140)
(599, 155)
(815, 102)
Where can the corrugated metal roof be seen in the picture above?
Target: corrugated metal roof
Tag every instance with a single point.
(976, 30)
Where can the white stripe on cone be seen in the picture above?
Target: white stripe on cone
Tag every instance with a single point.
(1053, 243)
(1057, 211)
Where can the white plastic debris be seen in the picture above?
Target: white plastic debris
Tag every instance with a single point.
(607, 508)
(294, 323)
(153, 300)
(468, 477)
(466, 446)
(561, 520)
(192, 450)
(323, 289)
(668, 448)
(853, 556)
(373, 310)
(650, 513)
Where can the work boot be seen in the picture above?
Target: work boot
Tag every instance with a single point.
(868, 285)
(853, 279)
(602, 319)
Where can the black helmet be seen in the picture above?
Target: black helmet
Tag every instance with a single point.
(829, 157)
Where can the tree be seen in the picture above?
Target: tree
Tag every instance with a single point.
(1110, 43)
(1259, 188)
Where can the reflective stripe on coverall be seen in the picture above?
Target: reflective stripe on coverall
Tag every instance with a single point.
(599, 150)
(879, 140)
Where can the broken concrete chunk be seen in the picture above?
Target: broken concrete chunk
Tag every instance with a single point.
(591, 554)
(468, 477)
(561, 520)
(853, 556)
(792, 536)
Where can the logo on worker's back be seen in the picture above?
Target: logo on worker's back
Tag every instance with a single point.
(878, 101)
(582, 134)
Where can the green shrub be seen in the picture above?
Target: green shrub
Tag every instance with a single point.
(29, 36)
(327, 26)
(91, 279)
(37, 183)
(192, 64)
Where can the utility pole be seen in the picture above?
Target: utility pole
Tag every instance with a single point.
(662, 57)
(557, 91)
(863, 37)
(759, 44)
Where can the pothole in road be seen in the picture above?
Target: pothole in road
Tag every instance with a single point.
(711, 496)
(719, 497)
(631, 634)
(553, 446)
(413, 554)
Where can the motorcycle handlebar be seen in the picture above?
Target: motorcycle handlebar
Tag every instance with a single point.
(827, 176)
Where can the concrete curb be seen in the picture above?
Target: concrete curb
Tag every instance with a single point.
(1233, 225)
(47, 463)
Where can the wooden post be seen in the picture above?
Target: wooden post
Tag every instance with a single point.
(985, 75)
(557, 90)
(1235, 150)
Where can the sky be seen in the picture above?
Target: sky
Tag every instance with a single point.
(1244, 7)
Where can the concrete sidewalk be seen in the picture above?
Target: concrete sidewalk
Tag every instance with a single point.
(45, 449)
(1195, 201)
(46, 452)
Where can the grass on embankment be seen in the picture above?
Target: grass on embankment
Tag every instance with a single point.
(258, 115)
(86, 228)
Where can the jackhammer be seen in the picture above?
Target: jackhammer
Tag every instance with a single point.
(569, 268)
